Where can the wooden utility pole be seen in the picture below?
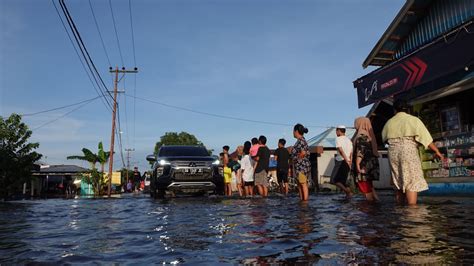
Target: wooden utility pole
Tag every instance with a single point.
(114, 111)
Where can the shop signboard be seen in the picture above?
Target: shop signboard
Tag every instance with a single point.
(116, 178)
(441, 58)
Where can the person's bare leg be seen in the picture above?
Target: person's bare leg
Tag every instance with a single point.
(400, 197)
(345, 189)
(412, 197)
(300, 192)
(375, 195)
(305, 192)
(286, 188)
(260, 190)
(369, 196)
(265, 191)
(239, 187)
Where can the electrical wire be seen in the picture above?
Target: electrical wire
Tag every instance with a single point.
(116, 33)
(217, 115)
(100, 35)
(119, 135)
(104, 101)
(133, 34)
(61, 107)
(126, 115)
(73, 110)
(135, 76)
(83, 48)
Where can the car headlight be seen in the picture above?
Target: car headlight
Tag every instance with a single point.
(216, 162)
(164, 162)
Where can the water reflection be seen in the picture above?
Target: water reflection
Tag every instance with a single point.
(230, 231)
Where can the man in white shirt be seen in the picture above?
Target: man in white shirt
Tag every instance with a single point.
(343, 161)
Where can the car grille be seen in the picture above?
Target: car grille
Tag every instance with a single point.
(188, 164)
(181, 175)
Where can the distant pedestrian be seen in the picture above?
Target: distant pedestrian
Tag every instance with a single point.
(254, 148)
(366, 158)
(300, 154)
(227, 175)
(261, 167)
(136, 178)
(247, 170)
(225, 151)
(404, 133)
(235, 166)
(129, 186)
(343, 161)
(282, 156)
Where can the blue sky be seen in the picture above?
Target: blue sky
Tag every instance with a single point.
(279, 61)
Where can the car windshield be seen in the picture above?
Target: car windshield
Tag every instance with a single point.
(178, 151)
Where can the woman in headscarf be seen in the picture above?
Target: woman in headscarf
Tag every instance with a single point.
(366, 164)
(404, 133)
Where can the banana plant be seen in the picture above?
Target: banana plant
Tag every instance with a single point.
(88, 156)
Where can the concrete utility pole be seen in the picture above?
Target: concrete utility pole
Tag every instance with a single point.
(128, 160)
(114, 111)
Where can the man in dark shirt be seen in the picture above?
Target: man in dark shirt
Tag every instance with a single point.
(136, 178)
(282, 157)
(261, 167)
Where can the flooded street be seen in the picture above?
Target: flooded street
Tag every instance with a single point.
(327, 230)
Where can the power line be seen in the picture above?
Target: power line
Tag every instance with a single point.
(119, 135)
(73, 110)
(217, 115)
(135, 77)
(100, 35)
(61, 107)
(126, 114)
(104, 101)
(133, 35)
(81, 45)
(116, 34)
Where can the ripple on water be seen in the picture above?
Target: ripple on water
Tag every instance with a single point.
(276, 230)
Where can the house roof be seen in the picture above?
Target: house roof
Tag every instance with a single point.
(60, 169)
(327, 139)
(388, 44)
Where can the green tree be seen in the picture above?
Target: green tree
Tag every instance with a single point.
(175, 138)
(17, 155)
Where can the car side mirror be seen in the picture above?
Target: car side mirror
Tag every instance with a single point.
(151, 158)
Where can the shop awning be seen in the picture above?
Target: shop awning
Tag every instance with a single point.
(440, 58)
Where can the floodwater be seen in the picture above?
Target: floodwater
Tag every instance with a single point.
(277, 230)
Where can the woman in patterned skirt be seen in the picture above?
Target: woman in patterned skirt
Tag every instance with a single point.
(404, 133)
(366, 163)
(300, 154)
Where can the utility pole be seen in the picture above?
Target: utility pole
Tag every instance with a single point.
(114, 112)
(128, 160)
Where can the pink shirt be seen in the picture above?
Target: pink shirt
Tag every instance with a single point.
(254, 150)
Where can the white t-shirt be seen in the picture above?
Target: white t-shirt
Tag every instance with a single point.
(346, 144)
(247, 168)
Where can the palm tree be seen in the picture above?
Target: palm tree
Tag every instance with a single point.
(88, 156)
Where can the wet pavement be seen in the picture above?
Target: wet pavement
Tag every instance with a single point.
(277, 230)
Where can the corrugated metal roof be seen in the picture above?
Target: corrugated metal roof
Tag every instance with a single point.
(418, 23)
(61, 169)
